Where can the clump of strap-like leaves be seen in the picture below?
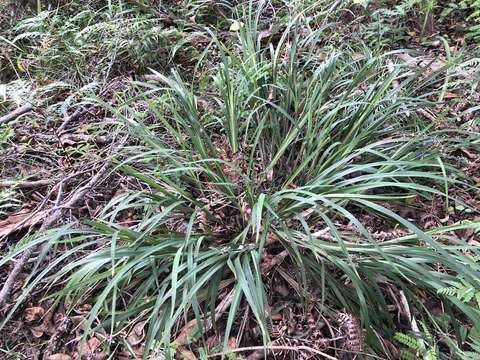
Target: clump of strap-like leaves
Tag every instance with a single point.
(286, 149)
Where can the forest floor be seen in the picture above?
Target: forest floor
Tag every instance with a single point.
(85, 88)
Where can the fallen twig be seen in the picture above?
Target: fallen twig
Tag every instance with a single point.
(260, 350)
(68, 119)
(25, 184)
(34, 214)
(71, 139)
(54, 215)
(16, 113)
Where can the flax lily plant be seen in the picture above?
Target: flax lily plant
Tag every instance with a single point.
(288, 151)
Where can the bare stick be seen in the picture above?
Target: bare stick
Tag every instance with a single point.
(51, 219)
(68, 119)
(25, 184)
(16, 113)
(273, 347)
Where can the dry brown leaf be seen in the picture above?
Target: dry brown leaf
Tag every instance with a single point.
(58, 318)
(91, 349)
(357, 56)
(232, 343)
(124, 356)
(79, 322)
(450, 95)
(91, 346)
(33, 313)
(137, 334)
(21, 220)
(38, 331)
(59, 357)
(282, 290)
(83, 309)
(182, 338)
(262, 34)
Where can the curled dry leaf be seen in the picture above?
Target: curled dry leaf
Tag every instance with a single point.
(38, 331)
(79, 322)
(91, 350)
(137, 334)
(33, 313)
(91, 346)
(83, 309)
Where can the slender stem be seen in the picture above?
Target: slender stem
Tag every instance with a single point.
(291, 348)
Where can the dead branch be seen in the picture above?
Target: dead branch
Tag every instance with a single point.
(153, 77)
(259, 351)
(71, 139)
(16, 113)
(38, 214)
(68, 119)
(54, 215)
(25, 184)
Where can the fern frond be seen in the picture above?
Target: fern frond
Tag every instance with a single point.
(462, 290)
(426, 332)
(407, 340)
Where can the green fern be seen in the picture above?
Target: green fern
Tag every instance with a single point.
(462, 290)
(431, 353)
(414, 349)
(427, 334)
(407, 340)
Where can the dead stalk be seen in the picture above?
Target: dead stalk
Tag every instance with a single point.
(16, 113)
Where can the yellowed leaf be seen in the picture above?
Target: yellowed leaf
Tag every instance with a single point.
(20, 66)
(236, 25)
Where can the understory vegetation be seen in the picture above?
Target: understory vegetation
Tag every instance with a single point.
(194, 179)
